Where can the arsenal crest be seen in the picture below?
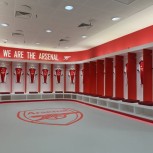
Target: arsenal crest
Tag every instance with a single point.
(51, 116)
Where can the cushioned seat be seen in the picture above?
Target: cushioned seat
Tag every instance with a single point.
(33, 92)
(47, 92)
(105, 97)
(147, 103)
(4, 92)
(68, 92)
(19, 92)
(58, 91)
(117, 98)
(130, 100)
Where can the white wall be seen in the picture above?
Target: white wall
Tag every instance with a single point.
(58, 86)
(139, 86)
(18, 87)
(125, 78)
(69, 86)
(81, 78)
(45, 86)
(6, 87)
(32, 87)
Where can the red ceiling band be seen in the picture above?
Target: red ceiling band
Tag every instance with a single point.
(134, 39)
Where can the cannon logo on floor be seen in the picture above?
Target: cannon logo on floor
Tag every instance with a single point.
(52, 116)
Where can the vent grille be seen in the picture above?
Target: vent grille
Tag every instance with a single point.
(61, 40)
(17, 34)
(84, 25)
(25, 15)
(127, 2)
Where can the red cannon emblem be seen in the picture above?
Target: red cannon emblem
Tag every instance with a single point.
(52, 116)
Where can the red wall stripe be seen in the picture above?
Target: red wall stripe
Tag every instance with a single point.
(148, 76)
(109, 77)
(39, 78)
(131, 76)
(11, 76)
(92, 71)
(25, 75)
(100, 77)
(141, 37)
(51, 78)
(65, 78)
(77, 77)
(119, 78)
(86, 79)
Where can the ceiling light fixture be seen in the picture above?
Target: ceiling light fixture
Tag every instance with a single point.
(5, 41)
(48, 31)
(37, 43)
(4, 25)
(84, 36)
(69, 7)
(116, 18)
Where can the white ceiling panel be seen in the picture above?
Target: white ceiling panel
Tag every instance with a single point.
(50, 14)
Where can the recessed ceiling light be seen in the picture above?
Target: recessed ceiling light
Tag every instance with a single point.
(48, 30)
(4, 25)
(116, 18)
(69, 7)
(5, 41)
(84, 36)
(37, 43)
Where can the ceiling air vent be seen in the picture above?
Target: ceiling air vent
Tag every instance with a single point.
(17, 34)
(84, 25)
(127, 2)
(88, 24)
(24, 15)
(61, 40)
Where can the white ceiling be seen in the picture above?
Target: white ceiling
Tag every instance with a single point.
(50, 14)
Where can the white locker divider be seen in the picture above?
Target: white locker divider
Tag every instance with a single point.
(134, 109)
